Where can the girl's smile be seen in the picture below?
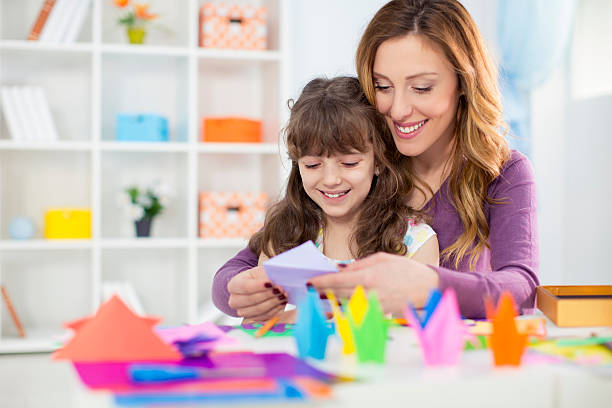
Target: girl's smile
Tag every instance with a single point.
(338, 184)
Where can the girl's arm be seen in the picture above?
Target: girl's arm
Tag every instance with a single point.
(429, 252)
(243, 261)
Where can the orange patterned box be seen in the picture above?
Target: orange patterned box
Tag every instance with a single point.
(231, 215)
(234, 26)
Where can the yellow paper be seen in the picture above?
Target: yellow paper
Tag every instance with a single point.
(342, 325)
(358, 304)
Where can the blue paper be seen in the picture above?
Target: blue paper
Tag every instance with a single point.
(311, 329)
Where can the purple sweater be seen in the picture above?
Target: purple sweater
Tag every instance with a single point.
(510, 265)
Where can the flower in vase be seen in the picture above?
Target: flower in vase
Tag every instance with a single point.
(144, 202)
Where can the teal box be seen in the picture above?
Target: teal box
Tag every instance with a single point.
(141, 128)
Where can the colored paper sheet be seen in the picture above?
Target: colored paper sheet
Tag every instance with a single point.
(311, 329)
(266, 390)
(506, 343)
(116, 376)
(476, 343)
(292, 269)
(370, 336)
(592, 354)
(191, 339)
(115, 333)
(278, 330)
(442, 340)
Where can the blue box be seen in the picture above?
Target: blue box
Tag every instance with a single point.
(141, 128)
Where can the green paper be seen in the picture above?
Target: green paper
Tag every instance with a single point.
(587, 341)
(481, 343)
(287, 332)
(371, 336)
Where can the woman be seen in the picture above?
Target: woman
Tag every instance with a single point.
(424, 66)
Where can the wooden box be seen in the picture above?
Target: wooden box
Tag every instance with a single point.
(575, 306)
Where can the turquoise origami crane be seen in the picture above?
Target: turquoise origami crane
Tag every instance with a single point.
(311, 329)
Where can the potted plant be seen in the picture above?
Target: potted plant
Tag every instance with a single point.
(135, 18)
(143, 204)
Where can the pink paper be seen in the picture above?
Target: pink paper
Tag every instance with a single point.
(188, 332)
(443, 338)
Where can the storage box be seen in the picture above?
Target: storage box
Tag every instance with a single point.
(574, 306)
(234, 26)
(231, 129)
(67, 223)
(141, 128)
(231, 214)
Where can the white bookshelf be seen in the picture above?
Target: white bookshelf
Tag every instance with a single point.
(87, 83)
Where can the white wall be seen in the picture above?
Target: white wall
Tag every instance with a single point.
(571, 140)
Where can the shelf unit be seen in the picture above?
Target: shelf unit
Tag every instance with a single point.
(87, 83)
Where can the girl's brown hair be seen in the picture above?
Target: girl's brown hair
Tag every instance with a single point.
(333, 116)
(480, 149)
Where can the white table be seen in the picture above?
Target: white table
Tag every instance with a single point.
(33, 380)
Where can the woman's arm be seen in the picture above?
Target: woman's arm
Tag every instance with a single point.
(513, 241)
(513, 265)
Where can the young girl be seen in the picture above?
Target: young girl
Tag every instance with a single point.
(343, 193)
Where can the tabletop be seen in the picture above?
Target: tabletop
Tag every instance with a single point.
(34, 380)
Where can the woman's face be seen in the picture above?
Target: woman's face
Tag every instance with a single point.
(416, 90)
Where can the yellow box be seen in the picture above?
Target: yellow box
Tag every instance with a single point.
(68, 223)
(575, 306)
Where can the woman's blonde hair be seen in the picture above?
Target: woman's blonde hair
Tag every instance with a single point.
(480, 149)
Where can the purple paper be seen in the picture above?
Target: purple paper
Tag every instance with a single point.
(115, 376)
(292, 269)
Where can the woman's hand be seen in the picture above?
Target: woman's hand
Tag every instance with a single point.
(397, 280)
(254, 297)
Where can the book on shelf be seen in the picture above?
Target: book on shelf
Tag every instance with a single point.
(11, 310)
(65, 21)
(43, 15)
(27, 113)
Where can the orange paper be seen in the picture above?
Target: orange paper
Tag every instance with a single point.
(115, 333)
(506, 342)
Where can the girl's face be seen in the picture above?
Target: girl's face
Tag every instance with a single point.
(416, 90)
(338, 183)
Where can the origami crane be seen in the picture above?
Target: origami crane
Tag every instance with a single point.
(368, 326)
(506, 343)
(441, 334)
(311, 329)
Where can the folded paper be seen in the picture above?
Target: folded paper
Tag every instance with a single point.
(115, 333)
(311, 329)
(292, 269)
(343, 328)
(441, 333)
(368, 326)
(506, 343)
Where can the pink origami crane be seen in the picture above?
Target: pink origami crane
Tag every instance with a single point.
(443, 338)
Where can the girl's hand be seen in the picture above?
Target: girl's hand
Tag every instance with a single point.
(396, 279)
(254, 297)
